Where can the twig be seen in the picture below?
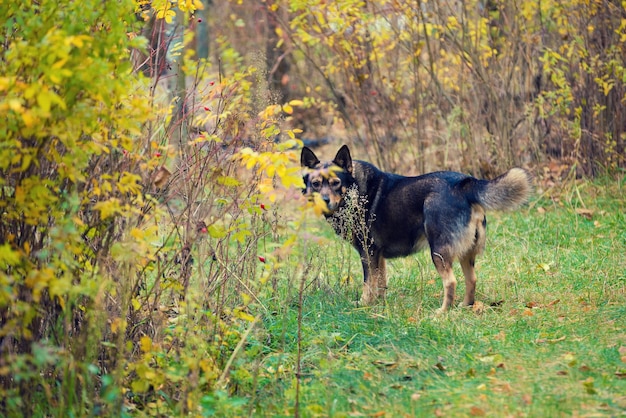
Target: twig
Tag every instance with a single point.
(221, 380)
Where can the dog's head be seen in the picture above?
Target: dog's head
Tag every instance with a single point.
(329, 180)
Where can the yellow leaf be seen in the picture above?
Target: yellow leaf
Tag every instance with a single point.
(8, 257)
(145, 343)
(116, 325)
(281, 170)
(265, 186)
(140, 386)
(288, 109)
(15, 105)
(217, 231)
(129, 183)
(136, 233)
(319, 206)
(243, 315)
(228, 181)
(59, 286)
(44, 101)
(108, 208)
(246, 298)
(29, 119)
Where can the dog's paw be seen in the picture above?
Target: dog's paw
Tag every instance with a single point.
(367, 301)
(440, 312)
(368, 297)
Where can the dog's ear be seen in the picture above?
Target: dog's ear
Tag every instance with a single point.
(308, 158)
(343, 159)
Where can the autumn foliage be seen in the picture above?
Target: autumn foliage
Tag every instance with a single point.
(149, 182)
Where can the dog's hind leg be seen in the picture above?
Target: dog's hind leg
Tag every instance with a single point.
(443, 263)
(467, 264)
(468, 260)
(374, 278)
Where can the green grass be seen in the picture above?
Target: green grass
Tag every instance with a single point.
(551, 346)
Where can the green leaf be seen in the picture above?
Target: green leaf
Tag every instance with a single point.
(8, 256)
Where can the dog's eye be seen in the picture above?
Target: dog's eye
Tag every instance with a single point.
(316, 184)
(334, 183)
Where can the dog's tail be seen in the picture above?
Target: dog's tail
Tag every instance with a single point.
(505, 192)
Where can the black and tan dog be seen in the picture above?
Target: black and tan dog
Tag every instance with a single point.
(386, 215)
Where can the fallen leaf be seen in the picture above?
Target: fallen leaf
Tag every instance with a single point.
(544, 266)
(502, 386)
(161, 177)
(440, 367)
(589, 386)
(501, 336)
(585, 213)
(491, 358)
(569, 358)
(477, 412)
(385, 363)
(478, 308)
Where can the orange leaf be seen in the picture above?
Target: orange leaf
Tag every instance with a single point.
(477, 412)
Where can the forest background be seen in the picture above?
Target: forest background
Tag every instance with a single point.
(151, 220)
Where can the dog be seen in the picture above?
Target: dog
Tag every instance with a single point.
(385, 215)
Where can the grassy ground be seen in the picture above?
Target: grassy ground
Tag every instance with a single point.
(548, 337)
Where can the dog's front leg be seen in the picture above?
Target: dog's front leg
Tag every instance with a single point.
(374, 277)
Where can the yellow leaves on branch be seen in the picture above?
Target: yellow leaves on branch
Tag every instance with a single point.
(108, 208)
(164, 9)
(274, 165)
